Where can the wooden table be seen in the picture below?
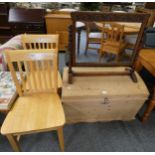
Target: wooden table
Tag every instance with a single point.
(147, 59)
(129, 28)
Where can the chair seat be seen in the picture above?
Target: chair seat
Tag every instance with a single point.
(34, 113)
(113, 47)
(112, 43)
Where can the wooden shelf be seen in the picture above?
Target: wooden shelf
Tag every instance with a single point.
(5, 27)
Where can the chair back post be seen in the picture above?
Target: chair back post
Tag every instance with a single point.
(114, 33)
(13, 73)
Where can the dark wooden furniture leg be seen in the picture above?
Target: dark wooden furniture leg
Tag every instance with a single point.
(150, 107)
(79, 37)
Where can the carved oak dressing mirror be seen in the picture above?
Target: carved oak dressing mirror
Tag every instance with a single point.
(107, 39)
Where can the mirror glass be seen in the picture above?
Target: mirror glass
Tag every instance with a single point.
(105, 42)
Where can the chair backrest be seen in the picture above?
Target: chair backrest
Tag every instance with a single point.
(37, 69)
(113, 31)
(34, 41)
(90, 27)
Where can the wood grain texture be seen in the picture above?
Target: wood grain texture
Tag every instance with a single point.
(39, 107)
(32, 41)
(34, 74)
(114, 42)
(34, 113)
(129, 28)
(58, 24)
(146, 58)
(84, 85)
(105, 17)
(14, 143)
(102, 98)
(48, 41)
(113, 17)
(60, 137)
(150, 11)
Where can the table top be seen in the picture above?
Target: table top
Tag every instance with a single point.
(129, 28)
(63, 16)
(147, 59)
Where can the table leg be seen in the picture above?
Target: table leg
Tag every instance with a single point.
(149, 108)
(138, 65)
(79, 37)
(14, 143)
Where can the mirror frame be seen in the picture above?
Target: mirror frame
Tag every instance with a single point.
(90, 16)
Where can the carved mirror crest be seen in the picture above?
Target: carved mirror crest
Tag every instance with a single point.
(99, 39)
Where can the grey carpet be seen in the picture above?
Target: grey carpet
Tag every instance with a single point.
(100, 136)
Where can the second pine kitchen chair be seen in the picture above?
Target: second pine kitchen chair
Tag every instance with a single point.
(42, 41)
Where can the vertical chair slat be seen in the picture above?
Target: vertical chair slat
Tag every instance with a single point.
(48, 45)
(45, 76)
(39, 45)
(49, 75)
(34, 45)
(38, 74)
(28, 82)
(30, 45)
(42, 74)
(32, 75)
(43, 47)
(55, 74)
(21, 75)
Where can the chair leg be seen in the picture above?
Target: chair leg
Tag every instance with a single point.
(18, 137)
(61, 138)
(100, 57)
(79, 37)
(13, 143)
(148, 110)
(86, 49)
(118, 57)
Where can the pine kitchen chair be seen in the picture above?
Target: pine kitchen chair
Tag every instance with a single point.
(38, 107)
(114, 41)
(42, 41)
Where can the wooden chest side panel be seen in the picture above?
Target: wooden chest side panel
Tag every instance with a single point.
(91, 111)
